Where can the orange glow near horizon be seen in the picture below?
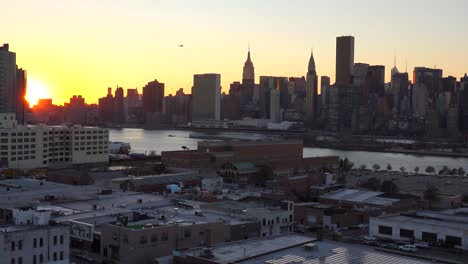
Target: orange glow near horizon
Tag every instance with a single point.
(35, 91)
(71, 47)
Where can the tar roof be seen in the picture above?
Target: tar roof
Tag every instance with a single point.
(360, 196)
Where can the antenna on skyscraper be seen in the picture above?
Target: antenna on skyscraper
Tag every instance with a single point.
(406, 70)
(394, 58)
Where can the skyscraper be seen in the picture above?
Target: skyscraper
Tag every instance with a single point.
(311, 89)
(119, 105)
(248, 74)
(344, 59)
(248, 82)
(153, 94)
(8, 93)
(206, 97)
(21, 103)
(268, 83)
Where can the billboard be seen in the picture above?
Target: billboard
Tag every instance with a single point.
(81, 231)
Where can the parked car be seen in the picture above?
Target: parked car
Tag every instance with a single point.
(372, 243)
(390, 246)
(408, 248)
(421, 245)
(369, 238)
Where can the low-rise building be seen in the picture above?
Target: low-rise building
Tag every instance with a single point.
(376, 202)
(289, 248)
(159, 183)
(31, 240)
(446, 227)
(239, 172)
(328, 217)
(275, 218)
(27, 147)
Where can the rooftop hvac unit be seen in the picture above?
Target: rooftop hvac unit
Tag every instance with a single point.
(310, 247)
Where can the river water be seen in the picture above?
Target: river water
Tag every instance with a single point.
(165, 140)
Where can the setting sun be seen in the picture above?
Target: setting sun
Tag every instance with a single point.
(35, 91)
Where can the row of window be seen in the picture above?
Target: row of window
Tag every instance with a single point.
(426, 236)
(89, 132)
(20, 134)
(283, 221)
(89, 137)
(19, 140)
(91, 143)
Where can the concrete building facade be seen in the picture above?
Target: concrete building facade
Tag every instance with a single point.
(206, 97)
(26, 147)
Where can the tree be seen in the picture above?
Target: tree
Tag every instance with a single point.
(444, 171)
(416, 170)
(461, 171)
(431, 194)
(389, 167)
(363, 167)
(389, 186)
(152, 154)
(430, 170)
(345, 165)
(376, 167)
(371, 184)
(402, 169)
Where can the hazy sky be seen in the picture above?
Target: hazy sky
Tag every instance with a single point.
(84, 46)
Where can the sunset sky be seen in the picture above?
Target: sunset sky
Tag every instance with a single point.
(84, 46)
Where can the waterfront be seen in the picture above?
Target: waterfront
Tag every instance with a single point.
(165, 140)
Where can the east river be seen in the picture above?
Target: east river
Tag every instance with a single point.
(164, 140)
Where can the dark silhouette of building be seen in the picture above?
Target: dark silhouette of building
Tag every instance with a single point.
(153, 94)
(106, 107)
(21, 103)
(344, 59)
(312, 90)
(76, 110)
(119, 116)
(12, 84)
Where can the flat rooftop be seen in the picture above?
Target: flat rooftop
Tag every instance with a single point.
(446, 219)
(289, 248)
(360, 196)
(332, 253)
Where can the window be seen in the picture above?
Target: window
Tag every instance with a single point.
(35, 243)
(20, 244)
(61, 239)
(406, 233)
(41, 242)
(453, 241)
(61, 255)
(187, 233)
(385, 230)
(55, 256)
(429, 237)
(12, 261)
(20, 260)
(264, 221)
(55, 240)
(41, 258)
(164, 236)
(34, 259)
(13, 246)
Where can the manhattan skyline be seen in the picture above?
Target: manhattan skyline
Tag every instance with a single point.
(84, 47)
